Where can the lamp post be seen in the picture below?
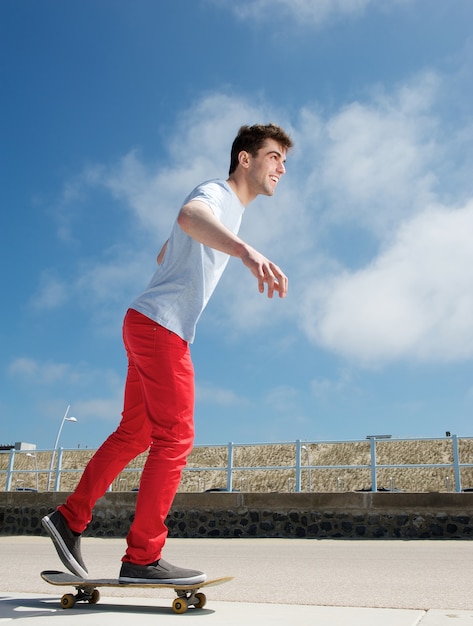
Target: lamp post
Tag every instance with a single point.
(33, 455)
(309, 477)
(56, 443)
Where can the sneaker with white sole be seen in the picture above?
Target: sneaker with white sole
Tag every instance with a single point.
(66, 542)
(159, 572)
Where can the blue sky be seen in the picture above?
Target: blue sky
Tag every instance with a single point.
(112, 111)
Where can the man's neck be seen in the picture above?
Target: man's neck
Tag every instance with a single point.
(241, 190)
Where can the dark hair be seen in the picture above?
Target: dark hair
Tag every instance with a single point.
(252, 138)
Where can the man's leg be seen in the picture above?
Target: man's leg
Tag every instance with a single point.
(165, 368)
(132, 437)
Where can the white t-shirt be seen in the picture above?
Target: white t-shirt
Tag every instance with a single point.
(182, 285)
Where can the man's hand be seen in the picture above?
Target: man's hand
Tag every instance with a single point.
(266, 272)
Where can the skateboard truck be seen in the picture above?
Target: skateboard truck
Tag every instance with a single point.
(185, 599)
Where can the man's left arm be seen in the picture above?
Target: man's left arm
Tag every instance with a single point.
(198, 221)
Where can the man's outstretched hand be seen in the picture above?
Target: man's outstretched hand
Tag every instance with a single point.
(266, 272)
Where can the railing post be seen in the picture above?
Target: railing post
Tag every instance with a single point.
(374, 480)
(11, 464)
(298, 465)
(456, 464)
(57, 481)
(230, 467)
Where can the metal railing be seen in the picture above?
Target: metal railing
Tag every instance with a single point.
(15, 475)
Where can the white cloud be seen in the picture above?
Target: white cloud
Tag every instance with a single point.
(37, 372)
(307, 11)
(207, 394)
(52, 292)
(142, 187)
(414, 301)
(323, 387)
(108, 281)
(378, 156)
(103, 287)
(105, 408)
(97, 393)
(41, 373)
(283, 399)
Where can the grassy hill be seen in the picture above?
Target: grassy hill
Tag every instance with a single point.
(323, 478)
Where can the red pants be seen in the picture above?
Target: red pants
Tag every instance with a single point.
(158, 414)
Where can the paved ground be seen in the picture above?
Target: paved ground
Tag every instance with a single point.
(277, 581)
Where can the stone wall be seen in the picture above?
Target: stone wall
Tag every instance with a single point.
(312, 515)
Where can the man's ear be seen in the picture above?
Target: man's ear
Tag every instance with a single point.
(244, 158)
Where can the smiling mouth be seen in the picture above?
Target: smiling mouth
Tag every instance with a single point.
(275, 179)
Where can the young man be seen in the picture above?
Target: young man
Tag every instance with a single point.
(157, 330)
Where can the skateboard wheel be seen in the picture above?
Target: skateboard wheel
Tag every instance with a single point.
(68, 601)
(179, 605)
(201, 600)
(95, 597)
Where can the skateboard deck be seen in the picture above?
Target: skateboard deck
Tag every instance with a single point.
(87, 589)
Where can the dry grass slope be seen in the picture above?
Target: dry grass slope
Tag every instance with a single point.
(277, 459)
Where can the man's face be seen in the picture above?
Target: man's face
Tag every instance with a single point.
(266, 168)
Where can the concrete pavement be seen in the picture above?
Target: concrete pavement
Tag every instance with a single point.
(277, 581)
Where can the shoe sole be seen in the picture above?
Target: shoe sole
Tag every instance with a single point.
(63, 552)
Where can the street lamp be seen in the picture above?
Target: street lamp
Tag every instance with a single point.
(309, 477)
(33, 456)
(56, 443)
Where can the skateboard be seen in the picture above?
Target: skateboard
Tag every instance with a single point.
(87, 589)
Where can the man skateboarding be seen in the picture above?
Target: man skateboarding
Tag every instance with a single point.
(157, 330)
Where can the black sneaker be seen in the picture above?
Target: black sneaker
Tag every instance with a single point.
(67, 544)
(159, 572)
